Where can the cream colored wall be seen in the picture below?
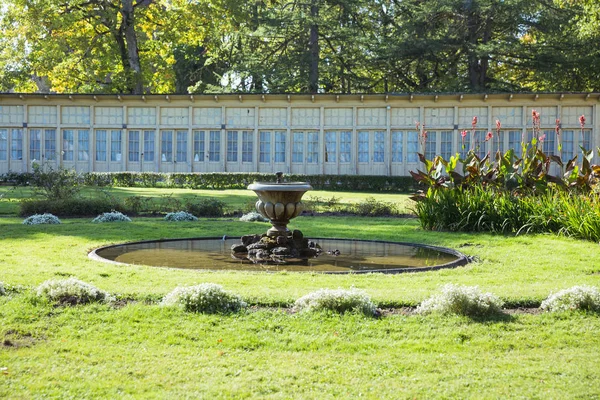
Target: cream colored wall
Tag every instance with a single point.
(379, 122)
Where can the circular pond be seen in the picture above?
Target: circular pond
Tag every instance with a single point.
(339, 256)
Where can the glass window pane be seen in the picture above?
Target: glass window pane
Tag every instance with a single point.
(397, 146)
(83, 145)
(198, 146)
(446, 144)
(148, 146)
(100, 145)
(247, 146)
(49, 145)
(68, 144)
(181, 155)
(214, 146)
(379, 147)
(134, 146)
(312, 148)
(166, 146)
(363, 147)
(298, 147)
(265, 147)
(412, 146)
(345, 146)
(232, 146)
(330, 147)
(430, 145)
(3, 144)
(568, 145)
(280, 147)
(115, 145)
(35, 144)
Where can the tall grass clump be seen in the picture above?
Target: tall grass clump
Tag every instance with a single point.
(207, 298)
(577, 298)
(461, 300)
(338, 301)
(72, 291)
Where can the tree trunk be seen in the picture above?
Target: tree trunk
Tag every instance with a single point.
(313, 44)
(127, 32)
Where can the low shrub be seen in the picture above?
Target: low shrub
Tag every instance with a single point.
(72, 291)
(2, 290)
(461, 300)
(253, 217)
(339, 301)
(113, 216)
(39, 219)
(374, 208)
(207, 298)
(75, 207)
(206, 208)
(180, 216)
(585, 298)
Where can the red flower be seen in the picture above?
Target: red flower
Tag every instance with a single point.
(542, 138)
(463, 134)
(489, 136)
(557, 128)
(582, 121)
(498, 124)
(418, 125)
(474, 121)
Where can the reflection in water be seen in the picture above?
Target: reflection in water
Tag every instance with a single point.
(215, 254)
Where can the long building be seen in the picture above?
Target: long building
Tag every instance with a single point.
(370, 134)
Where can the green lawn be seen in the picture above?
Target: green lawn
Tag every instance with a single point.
(141, 350)
(235, 199)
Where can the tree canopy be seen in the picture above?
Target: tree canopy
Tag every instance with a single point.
(316, 46)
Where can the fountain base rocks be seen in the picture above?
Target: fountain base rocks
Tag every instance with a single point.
(280, 249)
(279, 202)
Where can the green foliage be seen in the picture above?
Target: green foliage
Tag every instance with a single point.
(73, 207)
(242, 180)
(56, 184)
(207, 298)
(510, 194)
(72, 292)
(338, 301)
(461, 300)
(375, 208)
(206, 208)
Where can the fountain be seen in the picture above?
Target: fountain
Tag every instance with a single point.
(279, 202)
(282, 249)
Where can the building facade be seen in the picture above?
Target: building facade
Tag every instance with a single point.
(303, 134)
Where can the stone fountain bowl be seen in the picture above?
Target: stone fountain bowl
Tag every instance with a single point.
(279, 202)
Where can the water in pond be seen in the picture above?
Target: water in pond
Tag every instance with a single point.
(354, 256)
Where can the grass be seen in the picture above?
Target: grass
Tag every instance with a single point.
(140, 350)
(235, 199)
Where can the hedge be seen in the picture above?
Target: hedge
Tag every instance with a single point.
(231, 180)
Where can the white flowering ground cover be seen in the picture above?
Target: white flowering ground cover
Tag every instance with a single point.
(180, 216)
(134, 347)
(114, 216)
(461, 300)
(337, 300)
(577, 298)
(204, 298)
(40, 219)
(72, 291)
(253, 217)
